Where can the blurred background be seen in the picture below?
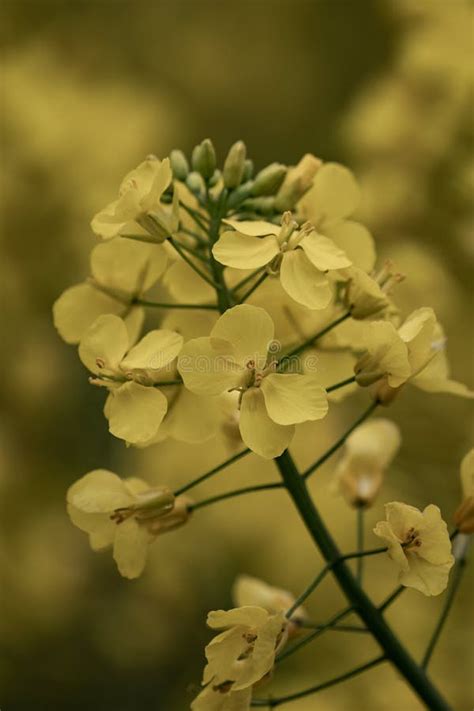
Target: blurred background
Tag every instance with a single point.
(88, 89)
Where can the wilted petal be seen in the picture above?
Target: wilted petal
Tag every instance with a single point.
(293, 398)
(259, 432)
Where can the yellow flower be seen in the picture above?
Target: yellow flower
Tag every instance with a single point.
(124, 513)
(333, 197)
(414, 352)
(138, 209)
(236, 357)
(121, 271)
(301, 256)
(368, 451)
(464, 516)
(366, 296)
(134, 408)
(252, 591)
(418, 542)
(240, 656)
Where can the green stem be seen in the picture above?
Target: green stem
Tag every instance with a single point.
(457, 576)
(210, 473)
(248, 278)
(319, 462)
(217, 212)
(271, 703)
(333, 628)
(193, 234)
(161, 384)
(310, 341)
(198, 217)
(194, 252)
(234, 493)
(317, 633)
(250, 291)
(360, 543)
(193, 266)
(162, 305)
(359, 601)
(347, 381)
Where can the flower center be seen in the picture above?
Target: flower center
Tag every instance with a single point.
(412, 539)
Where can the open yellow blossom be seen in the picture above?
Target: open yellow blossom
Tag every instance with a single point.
(252, 591)
(236, 357)
(121, 271)
(368, 451)
(301, 256)
(414, 352)
(418, 542)
(138, 209)
(127, 514)
(464, 516)
(135, 407)
(241, 655)
(333, 197)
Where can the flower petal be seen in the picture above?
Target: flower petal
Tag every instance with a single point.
(334, 194)
(303, 282)
(259, 432)
(356, 242)
(186, 286)
(155, 350)
(294, 398)
(235, 249)
(127, 266)
(106, 341)
(424, 576)
(192, 418)
(208, 367)
(162, 176)
(98, 492)
(135, 412)
(253, 228)
(323, 253)
(78, 307)
(100, 528)
(249, 329)
(131, 548)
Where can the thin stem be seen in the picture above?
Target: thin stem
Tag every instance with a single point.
(217, 212)
(189, 261)
(315, 337)
(457, 576)
(319, 687)
(210, 473)
(163, 383)
(347, 381)
(162, 305)
(360, 543)
(193, 234)
(391, 598)
(334, 628)
(319, 462)
(359, 601)
(250, 291)
(194, 252)
(197, 216)
(246, 279)
(314, 635)
(233, 494)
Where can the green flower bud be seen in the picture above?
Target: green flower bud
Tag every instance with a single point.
(179, 164)
(195, 183)
(248, 170)
(215, 178)
(265, 205)
(204, 159)
(240, 194)
(234, 165)
(297, 182)
(269, 179)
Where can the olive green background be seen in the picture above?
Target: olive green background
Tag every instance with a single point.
(88, 90)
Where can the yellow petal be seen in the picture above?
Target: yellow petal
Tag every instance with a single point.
(249, 329)
(155, 351)
(78, 307)
(134, 321)
(418, 333)
(386, 353)
(436, 544)
(98, 492)
(262, 659)
(384, 530)
(251, 616)
(235, 249)
(211, 699)
(127, 266)
(104, 344)
(334, 195)
(323, 253)
(100, 528)
(135, 412)
(131, 548)
(356, 241)
(434, 378)
(429, 579)
(294, 398)
(253, 228)
(208, 367)
(162, 176)
(186, 286)
(303, 282)
(259, 432)
(192, 418)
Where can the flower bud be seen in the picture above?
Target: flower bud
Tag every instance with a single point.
(179, 164)
(298, 180)
(195, 183)
(240, 194)
(366, 296)
(265, 205)
(234, 165)
(269, 180)
(204, 159)
(217, 175)
(248, 170)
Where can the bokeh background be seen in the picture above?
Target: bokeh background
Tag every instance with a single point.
(88, 89)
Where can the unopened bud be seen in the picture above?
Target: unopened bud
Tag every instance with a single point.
(297, 182)
(204, 159)
(269, 180)
(215, 178)
(248, 170)
(195, 183)
(179, 164)
(240, 194)
(234, 165)
(265, 205)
